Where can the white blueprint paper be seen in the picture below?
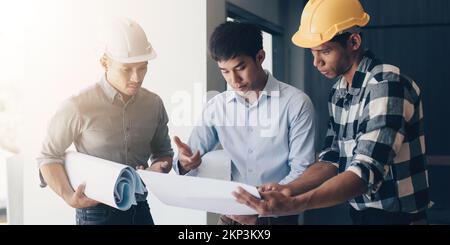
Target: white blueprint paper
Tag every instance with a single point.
(197, 193)
(215, 165)
(108, 182)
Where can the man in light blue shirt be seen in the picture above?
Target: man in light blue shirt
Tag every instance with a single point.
(265, 126)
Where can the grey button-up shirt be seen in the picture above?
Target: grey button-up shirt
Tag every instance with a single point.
(99, 123)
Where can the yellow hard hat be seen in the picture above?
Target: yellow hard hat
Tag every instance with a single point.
(323, 19)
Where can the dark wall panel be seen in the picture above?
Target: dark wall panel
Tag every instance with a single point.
(405, 12)
(422, 54)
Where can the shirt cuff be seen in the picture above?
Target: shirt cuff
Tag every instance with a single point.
(330, 156)
(176, 168)
(156, 156)
(365, 171)
(45, 161)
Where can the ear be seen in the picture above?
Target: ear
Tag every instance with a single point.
(260, 56)
(355, 41)
(104, 61)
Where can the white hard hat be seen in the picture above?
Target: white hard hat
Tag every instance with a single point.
(125, 41)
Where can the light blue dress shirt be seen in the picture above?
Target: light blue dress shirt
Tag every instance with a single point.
(271, 140)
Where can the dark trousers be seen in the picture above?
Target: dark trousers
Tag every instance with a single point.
(102, 214)
(282, 220)
(373, 216)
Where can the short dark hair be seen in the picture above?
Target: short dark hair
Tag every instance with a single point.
(343, 38)
(232, 39)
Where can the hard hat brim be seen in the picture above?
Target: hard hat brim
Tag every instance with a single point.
(135, 59)
(300, 40)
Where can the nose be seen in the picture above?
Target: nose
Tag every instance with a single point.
(135, 77)
(235, 79)
(318, 62)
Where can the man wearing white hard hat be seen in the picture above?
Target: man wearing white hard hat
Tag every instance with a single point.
(115, 119)
(374, 152)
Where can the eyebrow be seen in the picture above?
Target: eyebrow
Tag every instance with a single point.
(129, 66)
(236, 66)
(322, 49)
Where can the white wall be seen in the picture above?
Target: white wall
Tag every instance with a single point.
(60, 59)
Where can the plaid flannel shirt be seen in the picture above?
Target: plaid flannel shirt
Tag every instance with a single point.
(376, 131)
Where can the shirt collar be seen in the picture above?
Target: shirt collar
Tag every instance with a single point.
(272, 85)
(108, 89)
(358, 78)
(110, 92)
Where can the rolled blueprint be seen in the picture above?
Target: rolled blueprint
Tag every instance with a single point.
(108, 182)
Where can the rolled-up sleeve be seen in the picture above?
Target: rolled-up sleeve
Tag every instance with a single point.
(160, 144)
(301, 138)
(63, 128)
(381, 132)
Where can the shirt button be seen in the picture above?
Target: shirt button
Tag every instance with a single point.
(250, 151)
(128, 149)
(250, 170)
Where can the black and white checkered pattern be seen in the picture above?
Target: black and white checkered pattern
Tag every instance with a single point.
(376, 131)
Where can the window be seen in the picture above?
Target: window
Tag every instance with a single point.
(268, 47)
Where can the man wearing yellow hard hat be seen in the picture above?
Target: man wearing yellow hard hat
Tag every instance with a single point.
(116, 120)
(374, 154)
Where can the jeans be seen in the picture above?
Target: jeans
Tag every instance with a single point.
(102, 214)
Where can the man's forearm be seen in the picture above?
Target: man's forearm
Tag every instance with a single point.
(314, 176)
(55, 176)
(335, 191)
